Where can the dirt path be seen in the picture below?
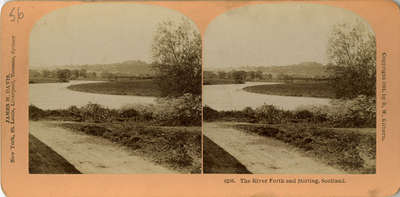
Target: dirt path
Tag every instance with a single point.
(91, 154)
(262, 155)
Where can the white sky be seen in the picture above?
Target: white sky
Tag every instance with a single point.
(274, 34)
(96, 34)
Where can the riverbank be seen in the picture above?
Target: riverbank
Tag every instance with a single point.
(218, 81)
(177, 148)
(93, 154)
(159, 139)
(264, 155)
(44, 80)
(342, 135)
(131, 87)
(310, 89)
(352, 150)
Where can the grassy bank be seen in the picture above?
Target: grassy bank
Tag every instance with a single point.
(217, 160)
(43, 160)
(322, 90)
(134, 87)
(218, 81)
(44, 80)
(353, 150)
(178, 148)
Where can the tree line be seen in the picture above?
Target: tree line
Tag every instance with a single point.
(241, 76)
(64, 75)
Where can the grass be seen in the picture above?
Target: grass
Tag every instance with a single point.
(217, 160)
(178, 148)
(218, 81)
(312, 89)
(44, 80)
(353, 150)
(43, 160)
(134, 87)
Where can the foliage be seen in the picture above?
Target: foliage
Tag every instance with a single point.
(352, 55)
(184, 110)
(239, 76)
(357, 112)
(63, 75)
(168, 111)
(270, 114)
(96, 113)
(176, 53)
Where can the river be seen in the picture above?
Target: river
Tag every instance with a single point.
(219, 97)
(58, 96)
(233, 97)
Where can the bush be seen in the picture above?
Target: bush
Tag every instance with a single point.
(184, 110)
(357, 112)
(181, 111)
(96, 113)
(137, 112)
(270, 114)
(249, 112)
(303, 114)
(128, 113)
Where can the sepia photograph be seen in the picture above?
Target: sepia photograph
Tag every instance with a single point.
(115, 89)
(289, 88)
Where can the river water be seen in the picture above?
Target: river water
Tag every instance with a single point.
(219, 97)
(57, 96)
(233, 97)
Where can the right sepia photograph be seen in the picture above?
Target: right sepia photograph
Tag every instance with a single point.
(289, 88)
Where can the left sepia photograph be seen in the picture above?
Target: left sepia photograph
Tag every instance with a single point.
(115, 89)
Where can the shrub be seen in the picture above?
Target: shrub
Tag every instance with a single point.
(180, 111)
(270, 114)
(249, 112)
(96, 113)
(143, 112)
(184, 110)
(357, 112)
(304, 114)
(129, 113)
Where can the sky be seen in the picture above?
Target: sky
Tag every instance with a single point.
(96, 34)
(274, 34)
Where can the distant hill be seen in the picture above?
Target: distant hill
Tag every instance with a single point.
(133, 67)
(305, 69)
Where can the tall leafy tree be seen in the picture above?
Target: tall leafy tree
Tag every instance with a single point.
(176, 54)
(352, 55)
